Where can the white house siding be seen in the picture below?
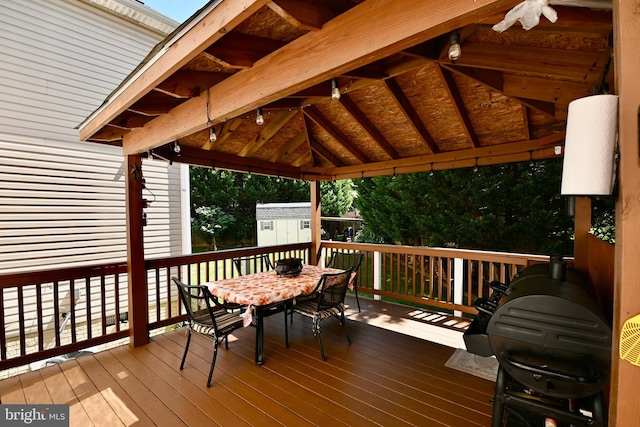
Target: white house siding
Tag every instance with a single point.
(62, 202)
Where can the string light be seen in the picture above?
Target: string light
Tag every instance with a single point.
(259, 117)
(212, 134)
(176, 147)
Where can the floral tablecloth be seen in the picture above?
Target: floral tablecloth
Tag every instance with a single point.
(267, 287)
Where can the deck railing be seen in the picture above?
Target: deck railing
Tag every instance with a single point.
(55, 312)
(443, 278)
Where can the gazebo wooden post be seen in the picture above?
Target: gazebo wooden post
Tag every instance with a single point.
(138, 303)
(625, 394)
(316, 222)
(581, 242)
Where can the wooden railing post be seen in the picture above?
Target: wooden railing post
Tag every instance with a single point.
(377, 276)
(458, 284)
(138, 302)
(316, 222)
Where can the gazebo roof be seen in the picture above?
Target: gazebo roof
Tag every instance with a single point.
(404, 105)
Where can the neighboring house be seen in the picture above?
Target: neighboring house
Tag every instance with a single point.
(282, 223)
(62, 202)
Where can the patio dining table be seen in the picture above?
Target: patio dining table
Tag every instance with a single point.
(267, 293)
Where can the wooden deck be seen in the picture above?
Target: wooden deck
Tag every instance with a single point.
(384, 378)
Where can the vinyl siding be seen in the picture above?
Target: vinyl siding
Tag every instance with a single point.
(62, 201)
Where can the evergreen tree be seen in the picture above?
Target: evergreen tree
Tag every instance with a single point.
(510, 207)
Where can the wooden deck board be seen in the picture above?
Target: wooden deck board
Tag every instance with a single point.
(384, 378)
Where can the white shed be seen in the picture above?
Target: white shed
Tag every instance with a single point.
(282, 223)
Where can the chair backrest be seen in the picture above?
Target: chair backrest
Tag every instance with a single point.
(333, 288)
(345, 260)
(252, 264)
(196, 300)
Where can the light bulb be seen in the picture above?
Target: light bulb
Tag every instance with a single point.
(176, 147)
(454, 47)
(259, 117)
(212, 134)
(335, 90)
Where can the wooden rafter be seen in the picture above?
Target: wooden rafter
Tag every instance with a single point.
(237, 50)
(335, 133)
(325, 53)
(267, 132)
(495, 80)
(303, 14)
(210, 29)
(292, 145)
(461, 112)
(368, 126)
(535, 61)
(187, 84)
(412, 116)
(222, 133)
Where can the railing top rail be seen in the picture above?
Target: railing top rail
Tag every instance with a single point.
(223, 254)
(480, 255)
(59, 274)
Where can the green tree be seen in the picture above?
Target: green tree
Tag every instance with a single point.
(509, 207)
(336, 197)
(223, 203)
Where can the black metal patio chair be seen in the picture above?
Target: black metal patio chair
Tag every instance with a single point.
(325, 301)
(345, 260)
(252, 264)
(208, 317)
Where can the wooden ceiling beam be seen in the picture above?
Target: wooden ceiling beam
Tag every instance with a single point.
(451, 87)
(534, 61)
(223, 132)
(216, 159)
(550, 146)
(343, 44)
(189, 84)
(359, 117)
(335, 133)
(495, 80)
(306, 15)
(412, 116)
(210, 28)
(589, 22)
(292, 145)
(269, 129)
(321, 151)
(237, 50)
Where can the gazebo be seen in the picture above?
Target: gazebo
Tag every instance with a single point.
(359, 88)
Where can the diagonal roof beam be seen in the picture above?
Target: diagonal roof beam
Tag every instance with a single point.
(337, 134)
(265, 134)
(368, 126)
(461, 111)
(225, 16)
(412, 116)
(343, 44)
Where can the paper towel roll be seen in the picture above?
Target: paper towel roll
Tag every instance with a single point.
(590, 144)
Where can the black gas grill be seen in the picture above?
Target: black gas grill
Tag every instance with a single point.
(553, 345)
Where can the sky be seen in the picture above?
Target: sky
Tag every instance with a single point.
(178, 10)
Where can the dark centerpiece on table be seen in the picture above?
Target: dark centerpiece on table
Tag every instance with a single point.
(289, 266)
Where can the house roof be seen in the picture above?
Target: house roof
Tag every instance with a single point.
(270, 211)
(404, 105)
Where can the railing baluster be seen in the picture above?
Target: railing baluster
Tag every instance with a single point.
(39, 318)
(3, 336)
(21, 325)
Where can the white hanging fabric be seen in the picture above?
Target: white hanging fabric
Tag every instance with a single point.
(528, 13)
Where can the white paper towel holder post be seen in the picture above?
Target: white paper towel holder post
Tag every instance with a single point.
(590, 150)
